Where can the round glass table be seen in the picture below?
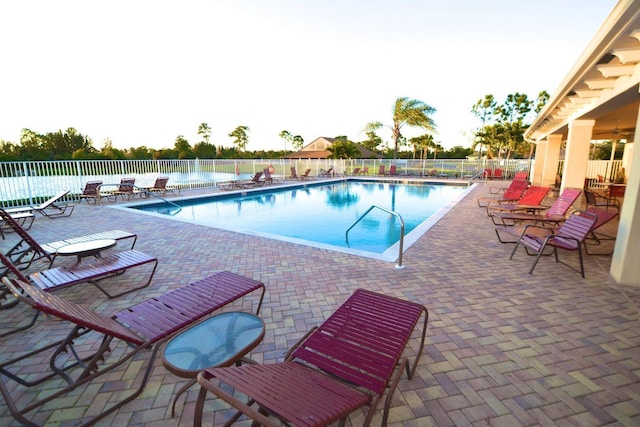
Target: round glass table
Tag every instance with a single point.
(221, 340)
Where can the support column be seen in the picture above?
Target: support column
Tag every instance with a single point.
(538, 165)
(551, 159)
(625, 268)
(577, 155)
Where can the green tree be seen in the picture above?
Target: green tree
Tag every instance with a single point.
(205, 132)
(287, 138)
(240, 137)
(297, 142)
(342, 148)
(484, 109)
(373, 141)
(407, 112)
(182, 148)
(204, 150)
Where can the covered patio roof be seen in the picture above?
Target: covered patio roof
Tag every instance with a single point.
(602, 85)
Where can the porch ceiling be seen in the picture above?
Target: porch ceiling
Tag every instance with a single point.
(603, 85)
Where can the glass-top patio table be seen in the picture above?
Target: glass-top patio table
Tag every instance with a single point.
(222, 340)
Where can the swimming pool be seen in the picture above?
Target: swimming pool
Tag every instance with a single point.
(319, 214)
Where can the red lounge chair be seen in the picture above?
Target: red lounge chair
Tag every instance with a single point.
(344, 364)
(511, 195)
(392, 171)
(497, 174)
(529, 202)
(381, 170)
(268, 178)
(142, 327)
(521, 175)
(569, 236)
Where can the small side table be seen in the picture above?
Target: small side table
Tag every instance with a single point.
(85, 249)
(221, 340)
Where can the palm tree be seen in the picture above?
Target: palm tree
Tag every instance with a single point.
(407, 112)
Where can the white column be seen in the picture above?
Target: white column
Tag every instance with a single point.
(577, 154)
(551, 159)
(538, 165)
(625, 268)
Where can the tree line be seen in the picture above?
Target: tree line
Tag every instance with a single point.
(500, 135)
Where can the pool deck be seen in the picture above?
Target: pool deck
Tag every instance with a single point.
(504, 348)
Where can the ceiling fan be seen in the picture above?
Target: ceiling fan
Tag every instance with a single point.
(615, 133)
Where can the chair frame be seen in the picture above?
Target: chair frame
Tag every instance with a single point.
(355, 355)
(531, 201)
(569, 236)
(143, 327)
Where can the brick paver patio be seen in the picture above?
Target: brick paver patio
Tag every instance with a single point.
(504, 348)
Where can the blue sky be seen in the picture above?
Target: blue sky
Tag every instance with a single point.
(143, 72)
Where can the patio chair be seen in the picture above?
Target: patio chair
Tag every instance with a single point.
(126, 188)
(392, 171)
(144, 327)
(522, 175)
(253, 182)
(595, 200)
(555, 215)
(268, 178)
(159, 186)
(569, 236)
(365, 171)
(51, 208)
(356, 171)
(511, 195)
(328, 173)
(302, 177)
(497, 174)
(529, 202)
(596, 238)
(342, 365)
(381, 170)
(91, 193)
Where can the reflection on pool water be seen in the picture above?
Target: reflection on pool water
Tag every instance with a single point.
(320, 214)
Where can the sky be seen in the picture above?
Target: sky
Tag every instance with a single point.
(142, 73)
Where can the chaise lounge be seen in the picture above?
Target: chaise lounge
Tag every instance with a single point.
(142, 327)
(346, 363)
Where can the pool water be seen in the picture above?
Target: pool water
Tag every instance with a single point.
(320, 214)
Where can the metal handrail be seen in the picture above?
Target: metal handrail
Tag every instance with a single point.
(397, 215)
(145, 191)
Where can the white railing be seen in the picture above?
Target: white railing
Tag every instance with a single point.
(34, 182)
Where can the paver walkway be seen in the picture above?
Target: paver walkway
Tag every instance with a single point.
(504, 348)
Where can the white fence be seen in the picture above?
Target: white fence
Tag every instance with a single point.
(34, 182)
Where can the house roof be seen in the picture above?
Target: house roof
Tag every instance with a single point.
(317, 149)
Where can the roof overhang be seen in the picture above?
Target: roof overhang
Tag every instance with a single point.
(603, 85)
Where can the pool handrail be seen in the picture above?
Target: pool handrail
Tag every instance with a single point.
(397, 215)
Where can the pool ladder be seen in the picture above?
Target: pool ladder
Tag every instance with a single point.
(397, 215)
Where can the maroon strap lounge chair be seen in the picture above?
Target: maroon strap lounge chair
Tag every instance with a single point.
(529, 202)
(569, 236)
(596, 237)
(556, 214)
(142, 327)
(344, 364)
